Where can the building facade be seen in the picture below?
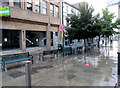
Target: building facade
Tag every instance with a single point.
(119, 27)
(32, 25)
(68, 9)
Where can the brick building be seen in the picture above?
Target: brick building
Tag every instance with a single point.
(31, 26)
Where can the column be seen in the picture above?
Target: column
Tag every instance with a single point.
(23, 40)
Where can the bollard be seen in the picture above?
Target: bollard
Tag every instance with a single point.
(28, 74)
(118, 68)
(118, 63)
(76, 52)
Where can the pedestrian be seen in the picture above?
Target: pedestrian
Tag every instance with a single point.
(102, 41)
(105, 41)
(111, 40)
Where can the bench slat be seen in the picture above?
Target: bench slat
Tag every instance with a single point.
(17, 60)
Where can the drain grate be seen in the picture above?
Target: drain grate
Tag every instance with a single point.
(15, 74)
(42, 67)
(48, 66)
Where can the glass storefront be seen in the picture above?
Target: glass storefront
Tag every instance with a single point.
(10, 39)
(35, 39)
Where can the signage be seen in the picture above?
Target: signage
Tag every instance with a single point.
(62, 27)
(5, 11)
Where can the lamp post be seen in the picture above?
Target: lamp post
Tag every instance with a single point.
(63, 31)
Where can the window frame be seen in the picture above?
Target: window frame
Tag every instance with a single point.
(44, 8)
(17, 3)
(37, 5)
(4, 3)
(29, 3)
(51, 10)
(57, 11)
(12, 41)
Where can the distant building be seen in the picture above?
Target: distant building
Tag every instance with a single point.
(30, 25)
(118, 11)
(68, 9)
(119, 27)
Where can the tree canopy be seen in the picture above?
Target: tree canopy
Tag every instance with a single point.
(80, 25)
(86, 25)
(106, 23)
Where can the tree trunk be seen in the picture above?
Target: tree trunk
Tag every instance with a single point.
(84, 48)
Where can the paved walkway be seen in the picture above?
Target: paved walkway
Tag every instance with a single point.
(91, 69)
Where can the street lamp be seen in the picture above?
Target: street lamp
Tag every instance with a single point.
(64, 27)
(63, 32)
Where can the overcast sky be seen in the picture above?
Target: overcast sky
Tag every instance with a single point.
(99, 4)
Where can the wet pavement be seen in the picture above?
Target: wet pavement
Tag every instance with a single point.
(95, 68)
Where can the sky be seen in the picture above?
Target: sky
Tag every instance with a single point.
(98, 5)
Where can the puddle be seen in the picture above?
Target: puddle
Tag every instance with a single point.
(33, 71)
(16, 73)
(68, 71)
(67, 76)
(43, 67)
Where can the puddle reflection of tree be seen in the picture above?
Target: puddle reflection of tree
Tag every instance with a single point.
(91, 53)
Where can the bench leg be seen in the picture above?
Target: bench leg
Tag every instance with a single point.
(3, 67)
(42, 58)
(57, 54)
(32, 61)
(39, 57)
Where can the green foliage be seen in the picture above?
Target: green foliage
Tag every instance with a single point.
(118, 22)
(81, 25)
(106, 23)
(86, 25)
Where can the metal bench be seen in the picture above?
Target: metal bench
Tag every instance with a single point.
(51, 52)
(79, 48)
(13, 58)
(68, 50)
(54, 52)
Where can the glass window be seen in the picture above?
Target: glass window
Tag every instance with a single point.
(37, 6)
(10, 39)
(44, 7)
(5, 2)
(51, 38)
(52, 10)
(37, 9)
(37, 2)
(57, 12)
(17, 3)
(35, 39)
(29, 5)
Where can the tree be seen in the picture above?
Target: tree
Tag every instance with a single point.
(117, 22)
(106, 23)
(81, 25)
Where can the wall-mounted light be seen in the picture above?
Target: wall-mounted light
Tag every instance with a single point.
(5, 39)
(37, 40)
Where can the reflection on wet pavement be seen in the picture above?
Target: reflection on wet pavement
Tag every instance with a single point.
(71, 71)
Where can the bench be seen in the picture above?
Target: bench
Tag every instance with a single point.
(13, 58)
(68, 50)
(51, 52)
(79, 48)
